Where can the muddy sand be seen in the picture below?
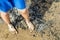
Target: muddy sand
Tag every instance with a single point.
(52, 32)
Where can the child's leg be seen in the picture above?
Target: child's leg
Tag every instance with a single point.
(25, 14)
(5, 17)
(21, 6)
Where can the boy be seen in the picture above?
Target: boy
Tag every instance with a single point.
(6, 5)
